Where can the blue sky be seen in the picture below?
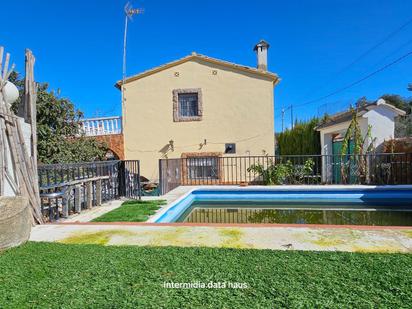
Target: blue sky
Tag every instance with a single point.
(78, 45)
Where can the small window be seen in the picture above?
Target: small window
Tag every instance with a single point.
(230, 148)
(203, 168)
(188, 105)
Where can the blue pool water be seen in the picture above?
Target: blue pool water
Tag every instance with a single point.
(356, 206)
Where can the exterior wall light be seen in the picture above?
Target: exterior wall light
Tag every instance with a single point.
(171, 145)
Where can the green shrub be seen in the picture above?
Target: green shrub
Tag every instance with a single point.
(303, 139)
(283, 173)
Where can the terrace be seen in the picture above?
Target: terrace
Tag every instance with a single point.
(101, 126)
(108, 130)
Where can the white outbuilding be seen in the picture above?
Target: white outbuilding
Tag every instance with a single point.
(379, 115)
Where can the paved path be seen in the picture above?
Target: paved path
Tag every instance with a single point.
(97, 211)
(279, 238)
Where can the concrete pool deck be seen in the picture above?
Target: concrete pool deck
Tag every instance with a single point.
(77, 229)
(262, 237)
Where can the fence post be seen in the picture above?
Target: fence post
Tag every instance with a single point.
(121, 180)
(160, 177)
(98, 192)
(138, 180)
(65, 206)
(89, 195)
(77, 202)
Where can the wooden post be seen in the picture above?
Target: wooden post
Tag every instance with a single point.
(89, 194)
(77, 201)
(32, 108)
(65, 205)
(98, 192)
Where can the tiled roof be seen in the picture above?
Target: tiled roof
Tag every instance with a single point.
(347, 115)
(194, 56)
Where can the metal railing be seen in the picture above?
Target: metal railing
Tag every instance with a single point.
(377, 169)
(70, 188)
(101, 126)
(129, 184)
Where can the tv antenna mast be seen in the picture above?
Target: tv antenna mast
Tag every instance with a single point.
(129, 11)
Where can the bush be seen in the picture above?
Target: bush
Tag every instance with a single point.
(283, 173)
(303, 139)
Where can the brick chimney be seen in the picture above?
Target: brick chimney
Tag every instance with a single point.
(261, 50)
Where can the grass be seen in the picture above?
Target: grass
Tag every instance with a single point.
(51, 275)
(131, 211)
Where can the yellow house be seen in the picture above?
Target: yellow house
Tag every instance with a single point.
(198, 106)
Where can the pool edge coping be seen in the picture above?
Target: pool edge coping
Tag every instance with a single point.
(240, 225)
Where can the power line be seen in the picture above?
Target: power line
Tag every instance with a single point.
(393, 33)
(339, 90)
(393, 52)
(389, 36)
(357, 81)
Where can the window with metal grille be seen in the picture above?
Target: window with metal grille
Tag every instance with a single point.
(203, 168)
(188, 104)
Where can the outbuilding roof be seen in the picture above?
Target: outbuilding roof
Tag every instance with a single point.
(363, 109)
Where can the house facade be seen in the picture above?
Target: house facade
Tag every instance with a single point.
(198, 106)
(380, 116)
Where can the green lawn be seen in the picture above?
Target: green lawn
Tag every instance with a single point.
(46, 275)
(131, 211)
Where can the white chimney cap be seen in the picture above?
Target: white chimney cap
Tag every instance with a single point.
(262, 43)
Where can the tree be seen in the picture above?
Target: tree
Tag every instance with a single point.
(403, 124)
(58, 129)
(303, 139)
(398, 102)
(393, 99)
(362, 101)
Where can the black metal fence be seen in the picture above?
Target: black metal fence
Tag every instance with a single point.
(70, 188)
(373, 169)
(129, 183)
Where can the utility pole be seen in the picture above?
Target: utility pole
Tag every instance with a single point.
(283, 119)
(291, 115)
(129, 12)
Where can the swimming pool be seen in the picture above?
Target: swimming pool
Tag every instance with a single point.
(354, 205)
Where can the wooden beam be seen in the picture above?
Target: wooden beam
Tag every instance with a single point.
(25, 179)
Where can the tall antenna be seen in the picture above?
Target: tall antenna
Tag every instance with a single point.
(129, 12)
